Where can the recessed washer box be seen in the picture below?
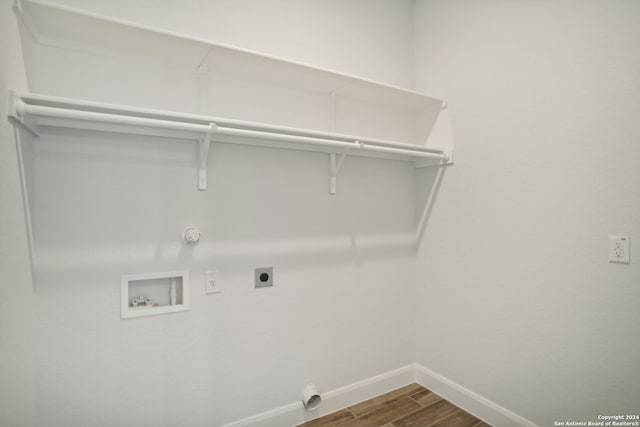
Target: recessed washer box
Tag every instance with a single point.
(148, 294)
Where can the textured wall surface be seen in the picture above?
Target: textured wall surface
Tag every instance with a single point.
(16, 297)
(516, 298)
(341, 309)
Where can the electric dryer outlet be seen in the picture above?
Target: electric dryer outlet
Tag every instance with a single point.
(264, 277)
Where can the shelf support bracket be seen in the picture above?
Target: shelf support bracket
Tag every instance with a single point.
(15, 114)
(430, 163)
(203, 151)
(335, 164)
(333, 96)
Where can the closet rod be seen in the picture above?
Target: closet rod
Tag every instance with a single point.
(25, 109)
(49, 100)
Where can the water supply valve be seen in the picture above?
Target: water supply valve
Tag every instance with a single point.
(191, 235)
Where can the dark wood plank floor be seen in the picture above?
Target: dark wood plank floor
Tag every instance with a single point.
(409, 406)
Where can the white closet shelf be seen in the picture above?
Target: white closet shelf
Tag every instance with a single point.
(240, 96)
(32, 111)
(344, 115)
(61, 26)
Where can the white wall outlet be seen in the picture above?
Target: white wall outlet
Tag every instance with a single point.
(619, 249)
(212, 281)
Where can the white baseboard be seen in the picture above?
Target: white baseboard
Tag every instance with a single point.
(471, 402)
(294, 413)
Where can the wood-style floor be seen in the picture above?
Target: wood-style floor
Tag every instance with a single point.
(409, 406)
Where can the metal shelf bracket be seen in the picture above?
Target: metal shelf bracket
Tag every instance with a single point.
(335, 164)
(15, 115)
(427, 163)
(204, 144)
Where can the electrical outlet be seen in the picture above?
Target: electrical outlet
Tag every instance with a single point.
(619, 249)
(263, 277)
(212, 281)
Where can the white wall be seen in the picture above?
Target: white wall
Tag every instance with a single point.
(342, 306)
(368, 38)
(516, 299)
(16, 301)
